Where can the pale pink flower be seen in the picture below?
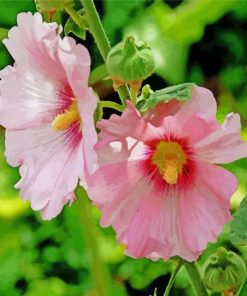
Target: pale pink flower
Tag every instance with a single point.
(47, 109)
(158, 185)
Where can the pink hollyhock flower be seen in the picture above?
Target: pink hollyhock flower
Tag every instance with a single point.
(158, 185)
(47, 109)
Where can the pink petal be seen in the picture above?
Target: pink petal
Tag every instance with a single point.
(145, 219)
(28, 98)
(204, 209)
(154, 230)
(224, 145)
(27, 43)
(130, 123)
(198, 127)
(32, 90)
(51, 166)
(76, 62)
(202, 101)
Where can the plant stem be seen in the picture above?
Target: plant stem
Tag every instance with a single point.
(195, 278)
(133, 96)
(101, 40)
(98, 74)
(172, 278)
(76, 17)
(113, 105)
(99, 270)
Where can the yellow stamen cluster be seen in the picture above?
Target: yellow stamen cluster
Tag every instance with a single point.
(169, 157)
(64, 120)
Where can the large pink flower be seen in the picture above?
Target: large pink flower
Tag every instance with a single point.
(47, 109)
(158, 185)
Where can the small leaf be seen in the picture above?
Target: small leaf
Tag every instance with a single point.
(239, 225)
(181, 92)
(72, 27)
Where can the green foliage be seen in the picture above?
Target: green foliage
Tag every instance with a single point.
(40, 258)
(181, 92)
(239, 225)
(170, 32)
(72, 27)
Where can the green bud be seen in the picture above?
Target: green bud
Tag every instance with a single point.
(52, 5)
(130, 62)
(223, 271)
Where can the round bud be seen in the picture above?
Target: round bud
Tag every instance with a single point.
(223, 271)
(130, 62)
(52, 5)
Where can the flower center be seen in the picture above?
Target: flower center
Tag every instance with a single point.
(169, 157)
(64, 120)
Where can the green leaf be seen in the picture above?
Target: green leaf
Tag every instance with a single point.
(171, 32)
(181, 92)
(3, 33)
(72, 27)
(239, 225)
(243, 290)
(10, 9)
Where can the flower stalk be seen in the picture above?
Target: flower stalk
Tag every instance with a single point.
(195, 278)
(99, 270)
(76, 17)
(101, 39)
(172, 279)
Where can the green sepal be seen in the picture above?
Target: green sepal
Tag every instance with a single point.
(72, 27)
(52, 5)
(130, 60)
(146, 92)
(238, 234)
(223, 271)
(181, 92)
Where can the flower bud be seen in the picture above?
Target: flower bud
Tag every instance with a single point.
(130, 62)
(51, 6)
(223, 271)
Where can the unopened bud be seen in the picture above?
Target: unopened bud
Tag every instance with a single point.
(223, 271)
(130, 62)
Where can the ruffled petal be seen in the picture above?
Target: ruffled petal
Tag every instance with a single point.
(144, 218)
(76, 62)
(35, 89)
(28, 42)
(129, 124)
(202, 101)
(224, 145)
(51, 165)
(198, 127)
(204, 209)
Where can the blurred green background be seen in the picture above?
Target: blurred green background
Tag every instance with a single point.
(204, 41)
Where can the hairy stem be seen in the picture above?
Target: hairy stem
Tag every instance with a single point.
(101, 39)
